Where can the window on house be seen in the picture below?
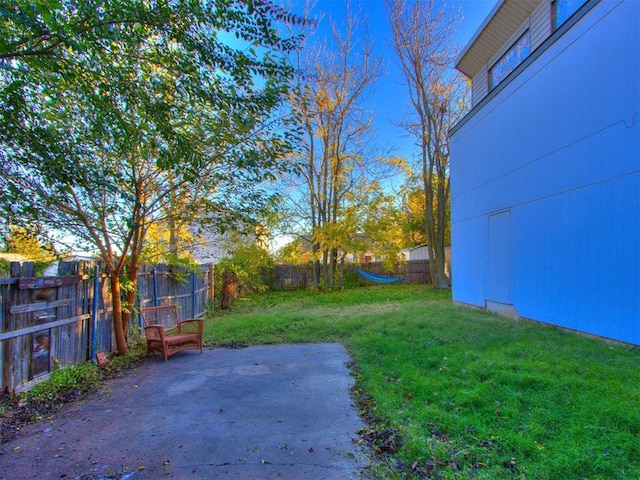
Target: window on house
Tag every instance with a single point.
(510, 60)
(564, 9)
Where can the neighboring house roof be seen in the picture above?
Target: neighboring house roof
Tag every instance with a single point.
(495, 31)
(421, 252)
(13, 257)
(79, 257)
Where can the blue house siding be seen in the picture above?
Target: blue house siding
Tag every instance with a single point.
(558, 148)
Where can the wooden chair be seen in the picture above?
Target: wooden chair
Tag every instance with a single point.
(167, 334)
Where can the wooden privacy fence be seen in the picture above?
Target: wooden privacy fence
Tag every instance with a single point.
(49, 322)
(413, 271)
(163, 285)
(292, 277)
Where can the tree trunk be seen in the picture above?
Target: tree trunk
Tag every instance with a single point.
(118, 326)
(341, 277)
(132, 268)
(422, 33)
(173, 229)
(316, 274)
(439, 279)
(331, 275)
(316, 266)
(435, 232)
(229, 289)
(325, 267)
(129, 305)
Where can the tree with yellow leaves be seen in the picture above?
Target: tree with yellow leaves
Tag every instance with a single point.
(334, 163)
(422, 37)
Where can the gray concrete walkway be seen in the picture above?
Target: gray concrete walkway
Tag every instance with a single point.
(257, 413)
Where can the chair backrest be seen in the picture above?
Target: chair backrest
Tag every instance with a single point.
(166, 315)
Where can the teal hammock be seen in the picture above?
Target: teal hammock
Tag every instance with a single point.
(378, 278)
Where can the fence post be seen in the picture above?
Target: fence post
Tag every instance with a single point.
(155, 287)
(138, 305)
(94, 314)
(193, 295)
(212, 288)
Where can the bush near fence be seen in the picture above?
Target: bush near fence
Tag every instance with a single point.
(49, 322)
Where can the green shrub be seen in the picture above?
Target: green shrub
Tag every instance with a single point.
(351, 279)
(243, 269)
(73, 381)
(65, 384)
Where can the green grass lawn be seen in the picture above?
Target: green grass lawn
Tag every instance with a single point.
(456, 393)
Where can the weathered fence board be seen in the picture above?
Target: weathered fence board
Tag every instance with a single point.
(36, 307)
(46, 322)
(40, 328)
(47, 282)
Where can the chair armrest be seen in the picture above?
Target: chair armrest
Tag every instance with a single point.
(189, 325)
(154, 332)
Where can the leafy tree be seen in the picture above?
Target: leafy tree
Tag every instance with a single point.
(382, 223)
(157, 247)
(247, 262)
(413, 209)
(19, 241)
(110, 111)
(332, 157)
(242, 273)
(422, 37)
(294, 253)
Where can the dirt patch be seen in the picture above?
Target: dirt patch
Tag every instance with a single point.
(232, 345)
(17, 412)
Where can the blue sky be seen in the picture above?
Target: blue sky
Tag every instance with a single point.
(390, 95)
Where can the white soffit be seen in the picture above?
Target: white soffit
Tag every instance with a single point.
(503, 21)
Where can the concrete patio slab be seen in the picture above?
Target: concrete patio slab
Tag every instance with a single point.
(262, 412)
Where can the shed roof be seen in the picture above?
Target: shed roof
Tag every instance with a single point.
(503, 21)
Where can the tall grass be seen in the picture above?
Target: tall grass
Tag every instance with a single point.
(465, 394)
